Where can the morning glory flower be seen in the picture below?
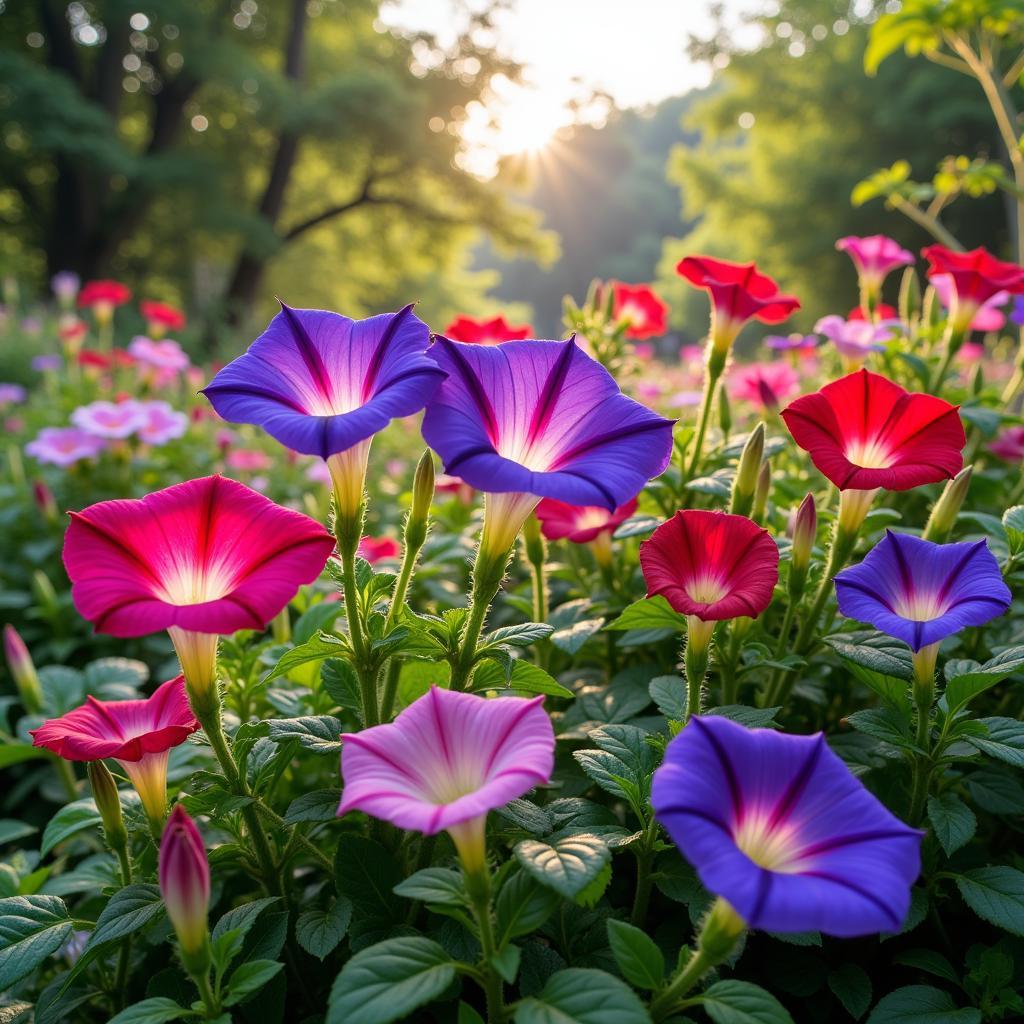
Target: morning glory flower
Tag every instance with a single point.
(12, 394)
(199, 559)
(639, 305)
(162, 424)
(64, 446)
(324, 384)
(855, 340)
(920, 592)
(778, 827)
(989, 315)
(486, 332)
(583, 524)
(864, 432)
(976, 277)
(164, 354)
(805, 344)
(447, 760)
(875, 257)
(161, 317)
(765, 385)
(540, 419)
(111, 420)
(138, 734)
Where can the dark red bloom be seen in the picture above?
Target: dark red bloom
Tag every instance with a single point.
(739, 292)
(713, 565)
(580, 523)
(105, 360)
(485, 332)
(103, 293)
(977, 275)
(163, 315)
(883, 311)
(640, 306)
(863, 431)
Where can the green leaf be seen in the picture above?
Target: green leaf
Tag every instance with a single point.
(319, 931)
(318, 733)
(522, 635)
(639, 958)
(248, 978)
(317, 805)
(525, 677)
(572, 638)
(388, 981)
(11, 830)
(1005, 740)
(966, 679)
(522, 906)
(241, 919)
(921, 1004)
(581, 995)
(568, 865)
(128, 910)
(506, 963)
(669, 694)
(338, 677)
(440, 886)
(874, 651)
(367, 873)
(158, 1010)
(31, 929)
(954, 822)
(321, 646)
(995, 894)
(883, 724)
(68, 821)
(623, 756)
(739, 1002)
(851, 985)
(996, 792)
(16, 753)
(527, 816)
(930, 962)
(649, 613)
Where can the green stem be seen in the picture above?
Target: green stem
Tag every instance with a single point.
(296, 836)
(644, 881)
(488, 573)
(66, 774)
(922, 768)
(214, 729)
(347, 545)
(696, 967)
(714, 371)
(125, 955)
(540, 606)
(210, 1001)
(480, 899)
(390, 691)
(696, 665)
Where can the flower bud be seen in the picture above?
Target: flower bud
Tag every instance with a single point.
(932, 310)
(422, 496)
(944, 512)
(978, 380)
(45, 501)
(747, 471)
(910, 296)
(45, 594)
(108, 803)
(761, 492)
(805, 530)
(724, 413)
(23, 671)
(533, 541)
(185, 887)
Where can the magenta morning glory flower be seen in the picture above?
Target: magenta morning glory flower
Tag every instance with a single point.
(920, 592)
(12, 394)
(855, 340)
(113, 420)
(162, 424)
(778, 827)
(164, 354)
(447, 760)
(541, 419)
(64, 446)
(324, 384)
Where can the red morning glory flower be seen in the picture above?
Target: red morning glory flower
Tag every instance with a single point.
(641, 308)
(976, 277)
(138, 734)
(864, 432)
(580, 523)
(103, 295)
(161, 317)
(739, 292)
(711, 565)
(485, 332)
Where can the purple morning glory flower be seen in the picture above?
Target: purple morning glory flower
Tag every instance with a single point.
(920, 592)
(778, 827)
(44, 363)
(322, 383)
(1017, 314)
(542, 418)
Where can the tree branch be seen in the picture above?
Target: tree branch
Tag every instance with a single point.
(1014, 71)
(330, 212)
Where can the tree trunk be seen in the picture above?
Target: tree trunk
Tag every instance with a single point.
(250, 267)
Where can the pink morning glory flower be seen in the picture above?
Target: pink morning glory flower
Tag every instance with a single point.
(138, 734)
(778, 827)
(920, 592)
(855, 340)
(11, 394)
(875, 257)
(248, 460)
(447, 760)
(64, 446)
(199, 559)
(159, 355)
(987, 317)
(1009, 445)
(163, 423)
(765, 385)
(376, 549)
(112, 420)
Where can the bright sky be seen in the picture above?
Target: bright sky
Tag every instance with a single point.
(635, 50)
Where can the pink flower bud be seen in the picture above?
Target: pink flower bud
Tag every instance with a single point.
(23, 671)
(185, 883)
(805, 530)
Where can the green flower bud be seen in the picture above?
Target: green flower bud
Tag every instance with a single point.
(910, 296)
(747, 472)
(422, 496)
(944, 512)
(761, 492)
(724, 413)
(108, 803)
